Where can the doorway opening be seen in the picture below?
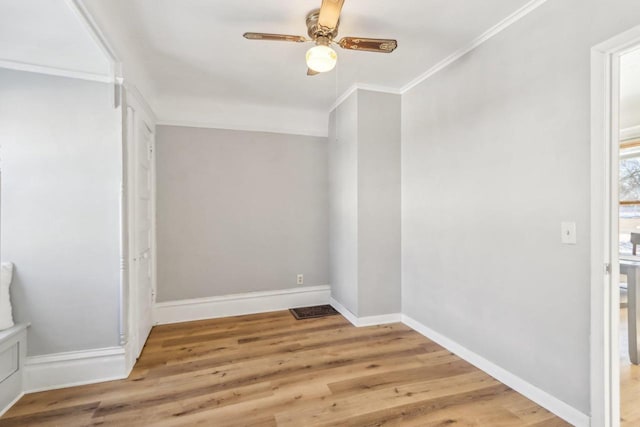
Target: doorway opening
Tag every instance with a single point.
(629, 234)
(615, 229)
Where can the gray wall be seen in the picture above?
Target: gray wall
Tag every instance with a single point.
(343, 202)
(495, 155)
(364, 170)
(379, 203)
(61, 173)
(239, 212)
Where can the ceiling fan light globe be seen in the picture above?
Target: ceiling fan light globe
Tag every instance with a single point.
(321, 58)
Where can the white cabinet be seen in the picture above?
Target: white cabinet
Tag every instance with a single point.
(13, 351)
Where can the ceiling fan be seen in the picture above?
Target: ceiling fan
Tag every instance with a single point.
(322, 28)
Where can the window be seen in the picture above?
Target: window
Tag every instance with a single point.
(629, 195)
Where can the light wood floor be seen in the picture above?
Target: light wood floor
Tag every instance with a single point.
(271, 370)
(629, 380)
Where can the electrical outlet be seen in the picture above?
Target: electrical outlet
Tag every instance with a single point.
(300, 279)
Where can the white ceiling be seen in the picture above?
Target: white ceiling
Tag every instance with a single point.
(630, 90)
(189, 59)
(46, 33)
(202, 70)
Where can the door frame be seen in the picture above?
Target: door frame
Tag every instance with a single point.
(605, 294)
(136, 113)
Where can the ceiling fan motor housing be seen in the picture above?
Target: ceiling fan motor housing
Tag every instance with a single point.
(321, 35)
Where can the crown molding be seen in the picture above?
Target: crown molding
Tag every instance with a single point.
(138, 96)
(363, 86)
(496, 29)
(243, 127)
(84, 16)
(346, 94)
(499, 27)
(115, 63)
(53, 71)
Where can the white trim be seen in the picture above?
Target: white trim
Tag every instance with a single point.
(154, 228)
(16, 329)
(129, 356)
(60, 370)
(239, 304)
(604, 392)
(542, 398)
(344, 311)
(360, 322)
(379, 88)
(496, 29)
(246, 127)
(630, 133)
(83, 15)
(10, 405)
(139, 117)
(53, 71)
(381, 319)
(141, 102)
(12, 387)
(364, 86)
(346, 94)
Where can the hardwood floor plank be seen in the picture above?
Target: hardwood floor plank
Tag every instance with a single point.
(186, 406)
(292, 362)
(382, 380)
(251, 333)
(331, 411)
(410, 411)
(272, 370)
(629, 379)
(74, 415)
(279, 346)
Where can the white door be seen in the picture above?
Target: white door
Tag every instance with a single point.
(142, 231)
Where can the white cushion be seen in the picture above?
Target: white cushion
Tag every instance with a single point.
(6, 316)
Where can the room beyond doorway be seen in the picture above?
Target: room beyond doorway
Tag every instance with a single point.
(629, 234)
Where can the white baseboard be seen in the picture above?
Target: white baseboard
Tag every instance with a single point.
(366, 320)
(239, 304)
(344, 311)
(74, 368)
(130, 358)
(10, 405)
(542, 398)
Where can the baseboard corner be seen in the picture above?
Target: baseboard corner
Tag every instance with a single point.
(10, 404)
(528, 390)
(365, 321)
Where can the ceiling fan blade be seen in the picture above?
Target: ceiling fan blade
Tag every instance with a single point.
(274, 37)
(369, 45)
(311, 72)
(330, 13)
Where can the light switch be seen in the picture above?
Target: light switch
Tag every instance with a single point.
(568, 230)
